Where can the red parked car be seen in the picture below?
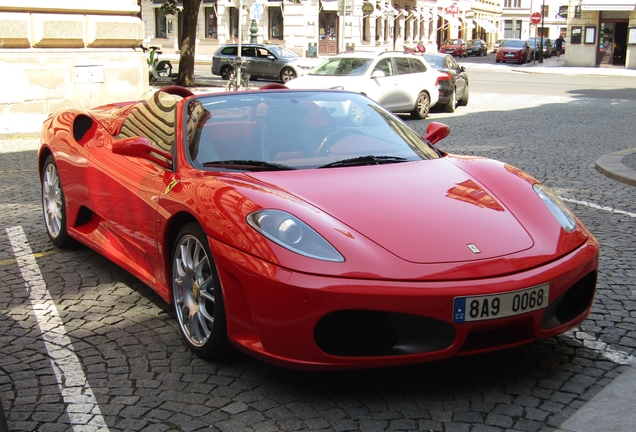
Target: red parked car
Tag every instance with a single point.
(515, 51)
(455, 47)
(315, 229)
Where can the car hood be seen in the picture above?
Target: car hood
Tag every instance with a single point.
(451, 46)
(422, 212)
(511, 49)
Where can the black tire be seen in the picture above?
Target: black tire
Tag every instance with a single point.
(287, 74)
(452, 103)
(54, 205)
(197, 295)
(422, 106)
(464, 100)
(164, 68)
(226, 71)
(497, 61)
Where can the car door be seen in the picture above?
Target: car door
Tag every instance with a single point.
(125, 189)
(459, 75)
(384, 89)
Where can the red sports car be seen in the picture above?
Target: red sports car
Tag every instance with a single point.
(315, 229)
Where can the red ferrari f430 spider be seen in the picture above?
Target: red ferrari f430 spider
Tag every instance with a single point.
(315, 229)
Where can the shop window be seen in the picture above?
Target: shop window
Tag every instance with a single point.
(211, 25)
(161, 24)
(275, 23)
(378, 29)
(366, 31)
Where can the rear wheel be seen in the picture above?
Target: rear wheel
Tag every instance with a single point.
(53, 205)
(464, 100)
(287, 74)
(226, 71)
(452, 103)
(422, 106)
(196, 294)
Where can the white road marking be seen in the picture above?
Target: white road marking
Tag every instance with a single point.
(81, 406)
(599, 207)
(605, 350)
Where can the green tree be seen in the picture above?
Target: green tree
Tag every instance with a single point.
(190, 13)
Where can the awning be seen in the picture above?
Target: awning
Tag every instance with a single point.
(487, 25)
(468, 22)
(329, 5)
(608, 5)
(451, 19)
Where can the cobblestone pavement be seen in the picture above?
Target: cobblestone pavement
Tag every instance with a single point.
(143, 377)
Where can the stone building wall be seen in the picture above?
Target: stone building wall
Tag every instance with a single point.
(62, 53)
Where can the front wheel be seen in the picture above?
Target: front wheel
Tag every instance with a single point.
(422, 106)
(197, 296)
(287, 74)
(164, 68)
(53, 205)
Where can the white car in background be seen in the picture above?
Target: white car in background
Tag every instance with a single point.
(402, 83)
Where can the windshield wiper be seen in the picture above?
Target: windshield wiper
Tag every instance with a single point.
(365, 160)
(248, 165)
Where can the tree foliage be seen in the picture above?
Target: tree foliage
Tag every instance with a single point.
(190, 13)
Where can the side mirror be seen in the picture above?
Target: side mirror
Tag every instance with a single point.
(140, 147)
(378, 74)
(436, 132)
(271, 57)
(462, 69)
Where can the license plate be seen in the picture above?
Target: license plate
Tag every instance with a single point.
(485, 307)
(509, 55)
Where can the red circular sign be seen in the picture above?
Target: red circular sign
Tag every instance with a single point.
(535, 18)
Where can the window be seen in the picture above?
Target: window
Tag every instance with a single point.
(160, 24)
(211, 23)
(366, 31)
(417, 65)
(275, 23)
(403, 66)
(234, 22)
(407, 28)
(385, 66)
(378, 29)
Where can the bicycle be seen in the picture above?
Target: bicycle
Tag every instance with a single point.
(233, 84)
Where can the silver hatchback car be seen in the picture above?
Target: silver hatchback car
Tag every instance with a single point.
(267, 61)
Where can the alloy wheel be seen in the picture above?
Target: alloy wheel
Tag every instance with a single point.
(193, 290)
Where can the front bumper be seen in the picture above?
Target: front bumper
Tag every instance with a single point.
(306, 321)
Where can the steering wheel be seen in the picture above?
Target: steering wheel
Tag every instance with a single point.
(332, 138)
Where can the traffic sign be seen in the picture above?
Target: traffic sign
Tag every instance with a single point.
(535, 18)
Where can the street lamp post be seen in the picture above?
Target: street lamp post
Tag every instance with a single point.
(541, 42)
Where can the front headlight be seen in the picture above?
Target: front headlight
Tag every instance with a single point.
(293, 234)
(557, 207)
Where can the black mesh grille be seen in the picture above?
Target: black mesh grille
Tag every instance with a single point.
(81, 125)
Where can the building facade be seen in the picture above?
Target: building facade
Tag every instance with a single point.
(601, 33)
(69, 53)
(326, 27)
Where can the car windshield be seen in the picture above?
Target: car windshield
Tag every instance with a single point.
(513, 43)
(306, 129)
(342, 66)
(453, 42)
(281, 52)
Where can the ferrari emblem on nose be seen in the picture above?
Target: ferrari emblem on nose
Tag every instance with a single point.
(473, 248)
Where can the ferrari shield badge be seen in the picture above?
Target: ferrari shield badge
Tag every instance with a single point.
(473, 248)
